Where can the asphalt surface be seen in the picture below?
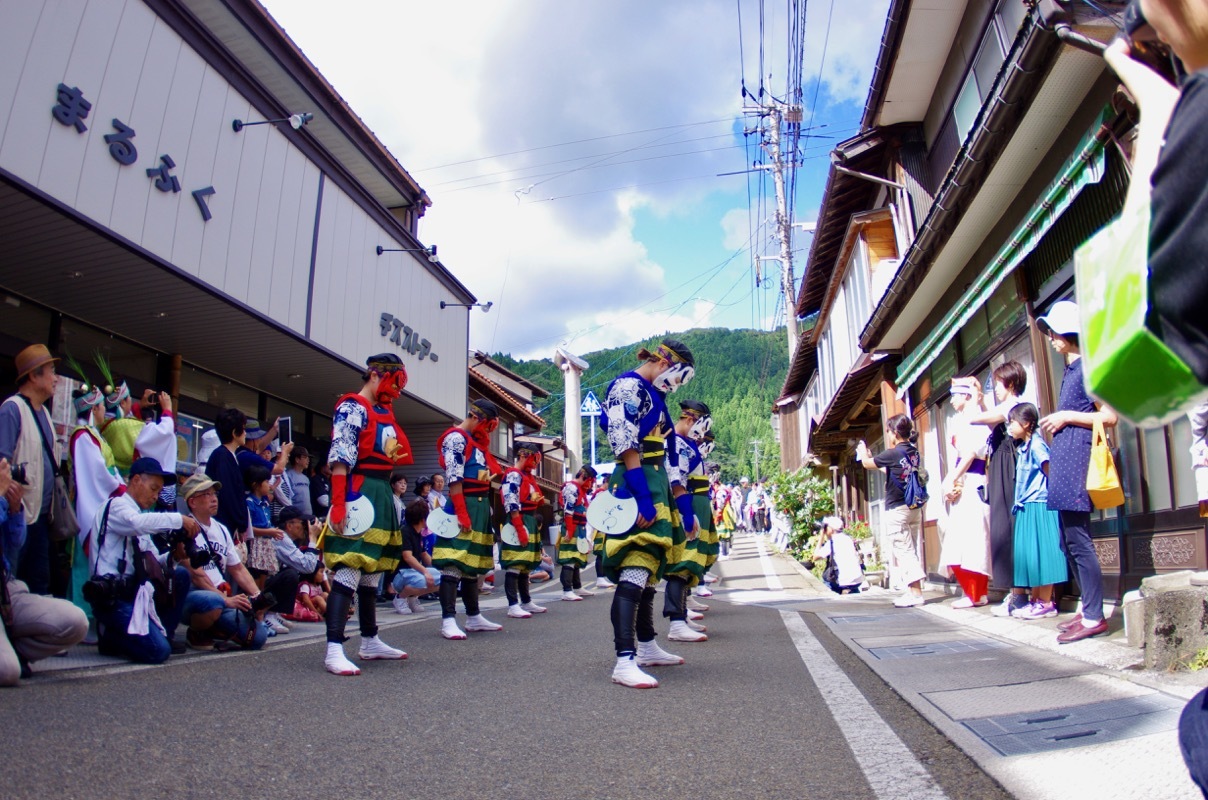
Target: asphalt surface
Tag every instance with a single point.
(526, 712)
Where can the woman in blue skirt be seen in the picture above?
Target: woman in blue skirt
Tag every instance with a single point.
(1039, 562)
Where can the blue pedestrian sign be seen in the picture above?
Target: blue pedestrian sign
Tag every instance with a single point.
(590, 405)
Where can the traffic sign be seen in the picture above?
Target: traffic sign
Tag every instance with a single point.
(590, 405)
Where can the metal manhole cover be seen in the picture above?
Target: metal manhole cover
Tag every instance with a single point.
(957, 647)
(852, 619)
(1078, 726)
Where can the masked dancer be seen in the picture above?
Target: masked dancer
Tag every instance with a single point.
(522, 498)
(364, 539)
(574, 529)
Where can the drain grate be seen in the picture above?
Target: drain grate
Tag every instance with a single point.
(1078, 726)
(957, 647)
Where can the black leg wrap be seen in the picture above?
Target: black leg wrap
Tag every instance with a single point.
(338, 603)
(367, 610)
(576, 581)
(673, 599)
(566, 577)
(510, 582)
(624, 617)
(523, 585)
(469, 596)
(448, 596)
(645, 626)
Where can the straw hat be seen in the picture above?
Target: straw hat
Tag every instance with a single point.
(31, 358)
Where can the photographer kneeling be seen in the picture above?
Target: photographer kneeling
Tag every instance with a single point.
(211, 611)
(842, 573)
(121, 592)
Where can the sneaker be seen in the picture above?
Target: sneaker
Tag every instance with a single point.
(337, 663)
(1010, 604)
(585, 593)
(962, 602)
(533, 608)
(651, 655)
(570, 597)
(401, 606)
(1037, 609)
(695, 626)
(696, 605)
(710, 579)
(374, 649)
(908, 600)
(695, 615)
(198, 641)
(680, 632)
(518, 612)
(703, 591)
(480, 624)
(449, 629)
(273, 622)
(415, 605)
(627, 673)
(178, 648)
(268, 631)
(604, 583)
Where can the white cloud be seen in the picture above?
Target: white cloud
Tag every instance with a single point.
(736, 228)
(453, 82)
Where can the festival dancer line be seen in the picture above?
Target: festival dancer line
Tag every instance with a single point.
(637, 423)
(367, 443)
(522, 497)
(574, 529)
(702, 503)
(597, 538)
(465, 457)
(688, 565)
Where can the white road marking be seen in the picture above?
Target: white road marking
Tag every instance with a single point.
(890, 768)
(769, 569)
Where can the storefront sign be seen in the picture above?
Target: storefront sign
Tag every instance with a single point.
(71, 109)
(408, 340)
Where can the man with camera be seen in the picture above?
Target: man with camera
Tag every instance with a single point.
(34, 627)
(211, 610)
(125, 562)
(157, 438)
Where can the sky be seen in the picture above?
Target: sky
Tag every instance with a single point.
(572, 149)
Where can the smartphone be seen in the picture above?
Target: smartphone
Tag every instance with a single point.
(285, 430)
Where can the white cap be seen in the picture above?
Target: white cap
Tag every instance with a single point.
(1062, 318)
(209, 443)
(834, 523)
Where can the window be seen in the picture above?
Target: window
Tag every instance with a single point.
(1009, 19)
(980, 80)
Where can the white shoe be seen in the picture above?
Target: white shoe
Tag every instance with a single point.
(627, 673)
(709, 579)
(695, 626)
(517, 612)
(480, 624)
(703, 591)
(908, 600)
(533, 608)
(273, 620)
(604, 583)
(401, 606)
(695, 605)
(337, 663)
(680, 632)
(570, 597)
(415, 605)
(585, 593)
(651, 655)
(695, 615)
(449, 629)
(374, 649)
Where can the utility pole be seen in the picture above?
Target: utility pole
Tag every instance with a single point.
(755, 443)
(572, 368)
(783, 231)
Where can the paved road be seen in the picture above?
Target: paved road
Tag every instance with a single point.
(527, 712)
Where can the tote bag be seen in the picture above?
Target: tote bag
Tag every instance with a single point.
(1102, 478)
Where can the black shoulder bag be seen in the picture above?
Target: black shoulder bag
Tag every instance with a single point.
(63, 524)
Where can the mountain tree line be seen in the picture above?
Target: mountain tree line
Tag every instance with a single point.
(738, 375)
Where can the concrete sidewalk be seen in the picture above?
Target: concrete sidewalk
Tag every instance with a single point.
(1076, 720)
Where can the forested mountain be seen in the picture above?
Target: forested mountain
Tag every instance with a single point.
(738, 374)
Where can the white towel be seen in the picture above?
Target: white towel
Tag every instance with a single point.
(144, 611)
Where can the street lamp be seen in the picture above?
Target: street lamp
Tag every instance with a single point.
(484, 306)
(431, 251)
(296, 121)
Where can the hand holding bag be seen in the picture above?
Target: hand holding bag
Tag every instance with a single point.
(1102, 479)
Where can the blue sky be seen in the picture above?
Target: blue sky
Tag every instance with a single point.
(570, 148)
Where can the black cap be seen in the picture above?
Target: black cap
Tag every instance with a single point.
(680, 349)
(290, 513)
(149, 466)
(485, 409)
(384, 361)
(528, 447)
(696, 406)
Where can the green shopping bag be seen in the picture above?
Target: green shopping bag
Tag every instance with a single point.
(1125, 365)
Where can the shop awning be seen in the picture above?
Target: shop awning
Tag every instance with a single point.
(1085, 167)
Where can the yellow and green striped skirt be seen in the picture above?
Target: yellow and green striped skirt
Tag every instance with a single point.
(523, 558)
(379, 548)
(568, 552)
(471, 552)
(652, 548)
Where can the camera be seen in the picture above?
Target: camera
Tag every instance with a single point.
(198, 556)
(104, 592)
(19, 474)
